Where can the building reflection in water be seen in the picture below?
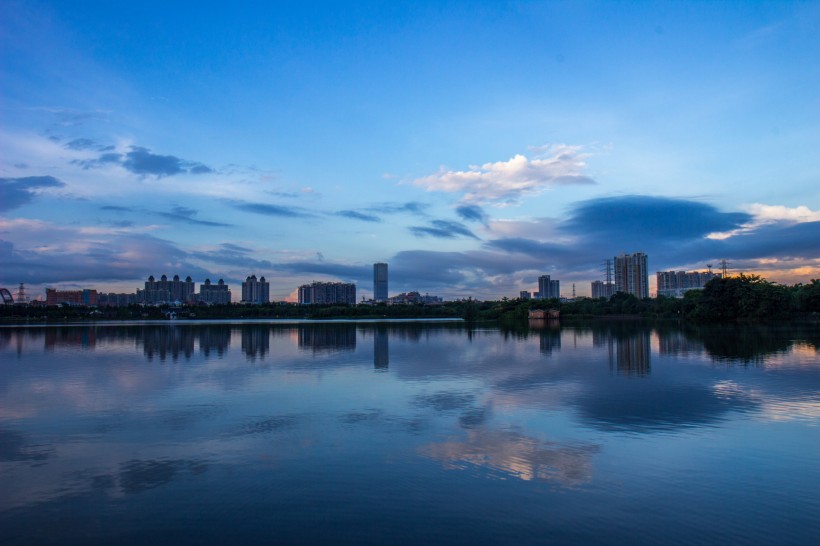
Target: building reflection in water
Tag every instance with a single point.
(629, 354)
(164, 341)
(328, 337)
(676, 343)
(255, 342)
(214, 338)
(381, 357)
(550, 340)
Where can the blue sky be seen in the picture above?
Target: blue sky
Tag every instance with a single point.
(472, 146)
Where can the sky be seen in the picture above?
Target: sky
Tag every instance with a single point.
(473, 146)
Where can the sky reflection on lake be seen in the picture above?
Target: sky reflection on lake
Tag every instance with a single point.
(605, 432)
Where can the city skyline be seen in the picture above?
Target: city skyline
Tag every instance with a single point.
(473, 149)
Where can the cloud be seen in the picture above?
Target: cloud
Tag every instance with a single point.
(646, 217)
(472, 213)
(233, 255)
(507, 182)
(358, 216)
(443, 229)
(186, 215)
(16, 192)
(358, 273)
(270, 210)
(47, 254)
(412, 207)
(138, 160)
(70, 117)
(777, 213)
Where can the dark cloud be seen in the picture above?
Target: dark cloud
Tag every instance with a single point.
(16, 192)
(358, 273)
(138, 160)
(235, 248)
(472, 213)
(199, 168)
(358, 216)
(141, 161)
(443, 229)
(117, 257)
(412, 207)
(116, 208)
(82, 144)
(645, 217)
(270, 210)
(233, 255)
(187, 215)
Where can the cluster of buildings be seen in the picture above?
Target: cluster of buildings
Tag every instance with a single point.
(627, 273)
(673, 284)
(548, 288)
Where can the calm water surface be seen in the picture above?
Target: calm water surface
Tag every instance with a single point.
(409, 433)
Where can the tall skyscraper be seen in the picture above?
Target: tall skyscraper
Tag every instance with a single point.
(631, 275)
(548, 288)
(380, 282)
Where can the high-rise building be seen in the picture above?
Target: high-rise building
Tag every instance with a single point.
(380, 282)
(674, 284)
(165, 291)
(631, 276)
(327, 292)
(255, 291)
(214, 293)
(524, 295)
(548, 288)
(602, 289)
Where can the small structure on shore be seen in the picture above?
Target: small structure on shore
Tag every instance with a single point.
(544, 314)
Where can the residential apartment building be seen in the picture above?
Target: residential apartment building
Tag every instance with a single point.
(631, 276)
(218, 293)
(548, 288)
(327, 292)
(675, 284)
(255, 291)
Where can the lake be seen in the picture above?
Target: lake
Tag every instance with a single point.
(409, 433)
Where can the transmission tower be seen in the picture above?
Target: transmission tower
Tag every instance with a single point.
(21, 296)
(724, 266)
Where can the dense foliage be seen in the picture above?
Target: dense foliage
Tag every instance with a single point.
(745, 297)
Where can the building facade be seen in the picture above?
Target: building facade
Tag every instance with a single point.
(71, 297)
(380, 282)
(164, 291)
(602, 289)
(112, 299)
(631, 276)
(674, 284)
(218, 293)
(327, 292)
(548, 288)
(255, 291)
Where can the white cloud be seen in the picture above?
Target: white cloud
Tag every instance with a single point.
(776, 213)
(506, 182)
(770, 214)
